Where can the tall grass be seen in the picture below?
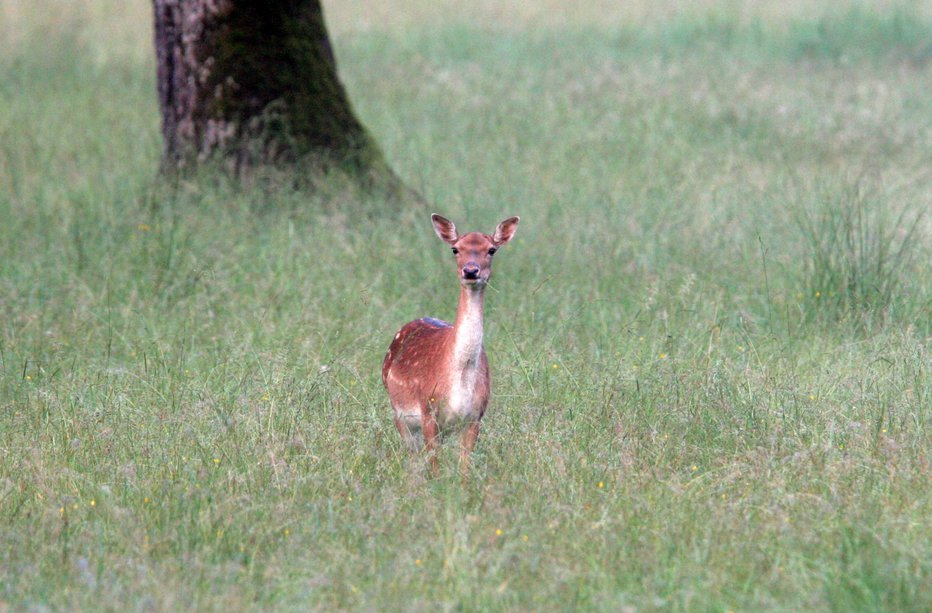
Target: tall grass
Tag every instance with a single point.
(191, 415)
(861, 253)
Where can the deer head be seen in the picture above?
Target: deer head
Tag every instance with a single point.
(474, 251)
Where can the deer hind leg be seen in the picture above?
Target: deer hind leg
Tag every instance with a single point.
(467, 444)
(411, 436)
(431, 440)
(408, 424)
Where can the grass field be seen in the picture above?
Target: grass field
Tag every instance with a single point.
(710, 339)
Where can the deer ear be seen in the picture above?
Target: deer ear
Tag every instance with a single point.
(444, 228)
(505, 231)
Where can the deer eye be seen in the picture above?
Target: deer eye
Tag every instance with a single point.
(455, 251)
(492, 251)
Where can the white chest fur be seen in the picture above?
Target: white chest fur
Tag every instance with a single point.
(462, 405)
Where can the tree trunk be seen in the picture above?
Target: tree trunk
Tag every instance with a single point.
(254, 82)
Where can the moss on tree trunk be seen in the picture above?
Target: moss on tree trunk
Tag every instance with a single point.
(255, 83)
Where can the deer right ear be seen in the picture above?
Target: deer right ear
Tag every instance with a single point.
(444, 228)
(505, 231)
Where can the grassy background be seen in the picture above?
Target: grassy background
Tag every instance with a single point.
(709, 340)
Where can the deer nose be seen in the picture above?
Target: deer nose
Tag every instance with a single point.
(470, 271)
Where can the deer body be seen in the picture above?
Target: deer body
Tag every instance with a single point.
(437, 374)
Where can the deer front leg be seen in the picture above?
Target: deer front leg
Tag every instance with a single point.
(467, 443)
(431, 440)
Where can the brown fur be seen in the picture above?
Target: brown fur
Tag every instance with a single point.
(419, 361)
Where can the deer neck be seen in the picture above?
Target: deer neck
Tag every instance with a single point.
(467, 331)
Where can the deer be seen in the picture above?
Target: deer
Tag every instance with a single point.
(437, 374)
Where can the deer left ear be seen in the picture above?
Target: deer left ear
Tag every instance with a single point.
(505, 231)
(444, 228)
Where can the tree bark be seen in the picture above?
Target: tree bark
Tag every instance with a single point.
(254, 82)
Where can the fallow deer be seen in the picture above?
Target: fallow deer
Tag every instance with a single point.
(437, 374)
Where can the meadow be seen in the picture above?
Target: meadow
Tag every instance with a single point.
(709, 340)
